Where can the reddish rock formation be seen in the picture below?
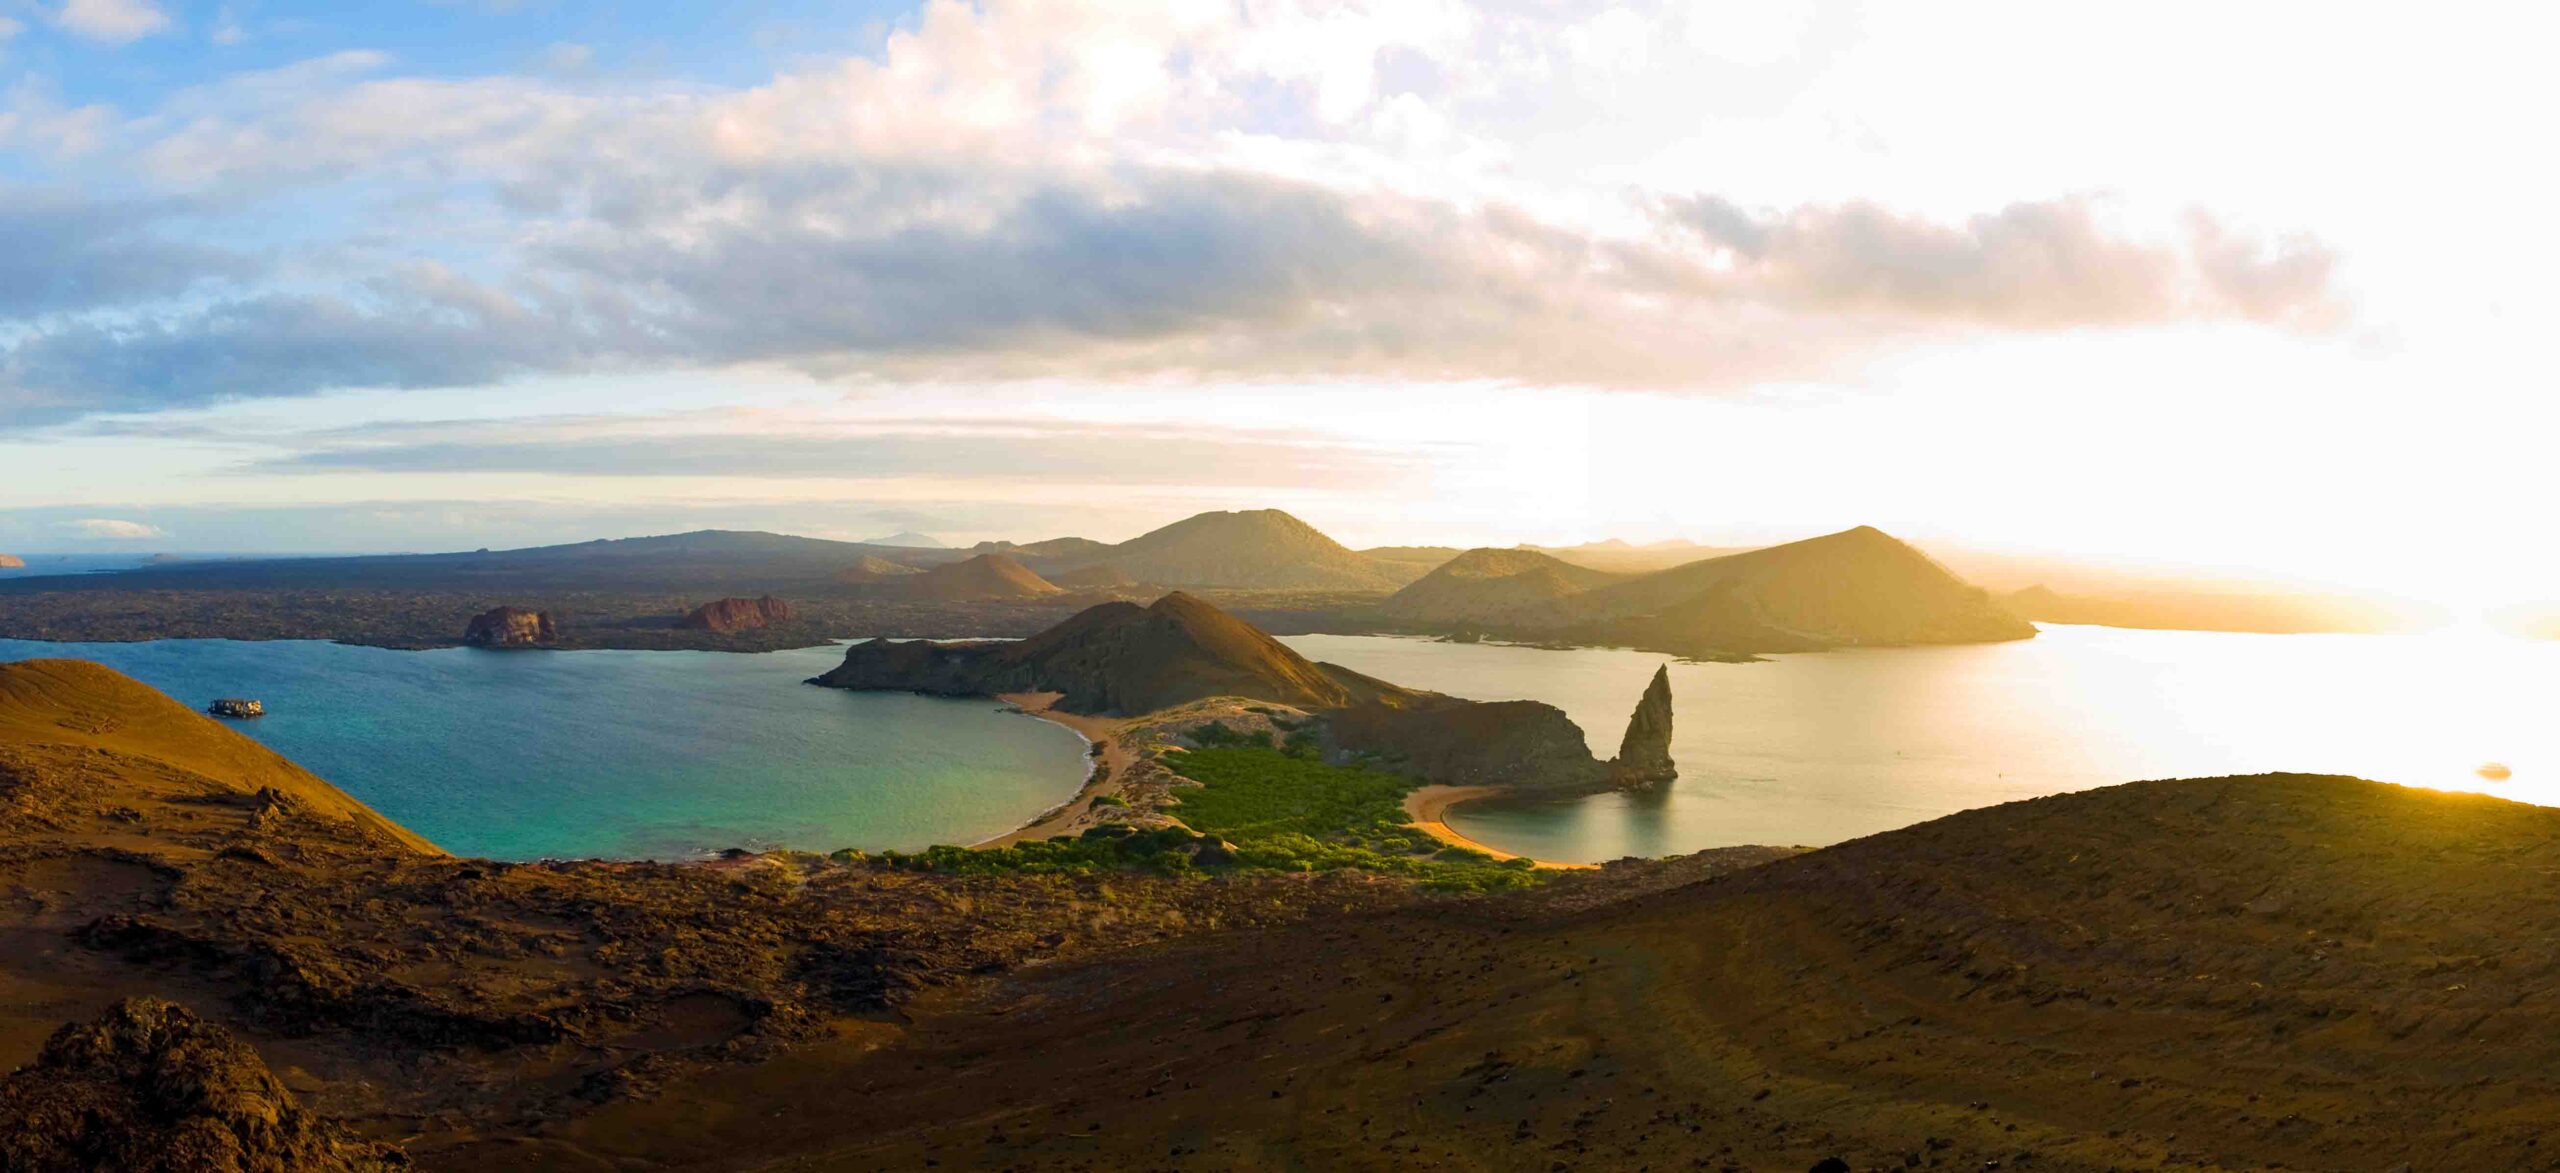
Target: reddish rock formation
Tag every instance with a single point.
(151, 1087)
(738, 614)
(1644, 756)
(12, 562)
(511, 627)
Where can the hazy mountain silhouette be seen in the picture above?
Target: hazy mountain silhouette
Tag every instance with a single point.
(1256, 548)
(909, 539)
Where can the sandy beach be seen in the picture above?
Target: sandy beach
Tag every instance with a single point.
(1074, 815)
(1429, 806)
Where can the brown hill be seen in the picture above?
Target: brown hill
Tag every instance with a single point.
(1487, 584)
(66, 719)
(738, 614)
(1857, 587)
(983, 578)
(1254, 549)
(1047, 553)
(1114, 658)
(871, 568)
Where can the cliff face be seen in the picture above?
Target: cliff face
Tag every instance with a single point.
(1644, 755)
(738, 614)
(1523, 745)
(511, 627)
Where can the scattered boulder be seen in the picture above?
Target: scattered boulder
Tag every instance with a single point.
(1644, 756)
(511, 627)
(738, 614)
(150, 1087)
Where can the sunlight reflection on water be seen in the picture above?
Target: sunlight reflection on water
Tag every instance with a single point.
(1815, 749)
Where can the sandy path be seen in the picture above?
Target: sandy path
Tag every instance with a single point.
(1074, 815)
(1429, 806)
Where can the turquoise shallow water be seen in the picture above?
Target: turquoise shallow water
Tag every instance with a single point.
(1815, 749)
(632, 755)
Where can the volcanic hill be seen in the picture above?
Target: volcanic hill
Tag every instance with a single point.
(983, 578)
(1115, 658)
(1256, 549)
(1857, 587)
(1488, 584)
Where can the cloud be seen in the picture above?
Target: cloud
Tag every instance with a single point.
(1051, 452)
(113, 529)
(2032, 265)
(113, 22)
(1016, 191)
(71, 251)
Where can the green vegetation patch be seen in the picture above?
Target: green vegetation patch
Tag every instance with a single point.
(1285, 811)
(1259, 807)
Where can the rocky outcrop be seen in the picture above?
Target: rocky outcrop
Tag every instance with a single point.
(1522, 745)
(1644, 755)
(152, 1088)
(511, 627)
(738, 614)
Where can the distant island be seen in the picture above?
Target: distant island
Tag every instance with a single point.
(1180, 671)
(1859, 588)
(12, 562)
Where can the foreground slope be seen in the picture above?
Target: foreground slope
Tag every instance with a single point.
(2275, 971)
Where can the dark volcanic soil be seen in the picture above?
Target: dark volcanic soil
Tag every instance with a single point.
(2273, 972)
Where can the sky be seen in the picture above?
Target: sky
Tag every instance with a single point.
(2227, 289)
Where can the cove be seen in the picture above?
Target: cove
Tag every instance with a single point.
(621, 755)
